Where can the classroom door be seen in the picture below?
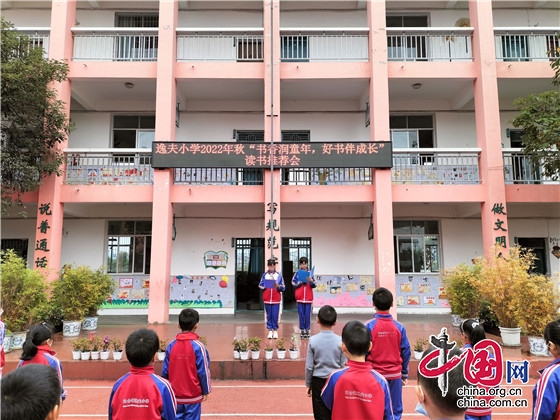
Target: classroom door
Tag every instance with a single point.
(249, 266)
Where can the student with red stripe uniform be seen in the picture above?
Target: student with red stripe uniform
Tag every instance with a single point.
(357, 391)
(546, 394)
(187, 365)
(390, 350)
(141, 394)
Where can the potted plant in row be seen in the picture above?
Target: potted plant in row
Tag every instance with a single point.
(236, 348)
(104, 353)
(161, 350)
(463, 297)
(116, 345)
(244, 349)
(269, 350)
(281, 348)
(255, 346)
(419, 346)
(96, 343)
(294, 347)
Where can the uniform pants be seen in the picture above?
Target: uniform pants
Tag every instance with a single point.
(272, 312)
(304, 313)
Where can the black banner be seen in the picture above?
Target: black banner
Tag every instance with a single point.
(285, 155)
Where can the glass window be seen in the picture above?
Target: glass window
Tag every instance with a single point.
(412, 131)
(129, 247)
(133, 131)
(417, 246)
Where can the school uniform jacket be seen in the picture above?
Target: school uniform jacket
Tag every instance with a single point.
(141, 394)
(272, 296)
(546, 393)
(47, 356)
(390, 351)
(187, 366)
(303, 292)
(357, 392)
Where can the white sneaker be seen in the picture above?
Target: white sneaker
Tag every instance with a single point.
(275, 334)
(269, 334)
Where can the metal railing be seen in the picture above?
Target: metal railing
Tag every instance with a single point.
(518, 169)
(227, 44)
(339, 44)
(526, 44)
(218, 176)
(115, 44)
(435, 166)
(38, 38)
(429, 44)
(109, 167)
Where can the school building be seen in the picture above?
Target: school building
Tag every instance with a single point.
(372, 136)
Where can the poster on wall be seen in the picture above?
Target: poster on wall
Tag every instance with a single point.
(420, 291)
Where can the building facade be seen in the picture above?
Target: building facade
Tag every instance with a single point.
(211, 135)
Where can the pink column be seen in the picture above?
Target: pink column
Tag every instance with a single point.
(272, 210)
(379, 131)
(162, 208)
(50, 214)
(487, 114)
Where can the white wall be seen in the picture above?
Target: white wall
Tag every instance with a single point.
(91, 129)
(95, 18)
(322, 19)
(30, 18)
(455, 129)
(461, 241)
(514, 17)
(83, 242)
(221, 19)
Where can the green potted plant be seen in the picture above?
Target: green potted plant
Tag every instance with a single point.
(419, 345)
(24, 295)
(504, 281)
(244, 349)
(236, 348)
(463, 297)
(281, 348)
(76, 344)
(102, 286)
(269, 350)
(294, 347)
(116, 345)
(77, 292)
(255, 347)
(104, 353)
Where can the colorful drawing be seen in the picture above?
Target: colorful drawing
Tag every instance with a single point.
(423, 288)
(145, 283)
(413, 300)
(335, 290)
(123, 294)
(400, 300)
(429, 300)
(366, 280)
(352, 287)
(126, 283)
(320, 288)
(441, 293)
(406, 287)
(138, 294)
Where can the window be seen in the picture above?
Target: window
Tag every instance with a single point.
(129, 246)
(416, 246)
(19, 246)
(134, 131)
(412, 131)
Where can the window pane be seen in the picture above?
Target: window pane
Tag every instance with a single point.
(143, 227)
(148, 121)
(418, 254)
(432, 253)
(420, 121)
(413, 139)
(124, 139)
(394, 21)
(139, 242)
(405, 255)
(431, 227)
(145, 139)
(397, 121)
(124, 259)
(125, 121)
(112, 253)
(417, 227)
(399, 139)
(426, 138)
(401, 227)
(415, 21)
(120, 227)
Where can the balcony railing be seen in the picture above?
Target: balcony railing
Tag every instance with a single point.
(109, 167)
(205, 44)
(115, 44)
(518, 169)
(38, 37)
(325, 44)
(526, 44)
(218, 176)
(429, 44)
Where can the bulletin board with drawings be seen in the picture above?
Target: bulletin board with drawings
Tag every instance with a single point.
(194, 291)
(420, 291)
(353, 290)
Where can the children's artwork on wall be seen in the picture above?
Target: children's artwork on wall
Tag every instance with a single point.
(343, 291)
(193, 291)
(215, 259)
(414, 288)
(126, 283)
(400, 300)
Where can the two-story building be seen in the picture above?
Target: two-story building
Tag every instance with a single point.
(373, 137)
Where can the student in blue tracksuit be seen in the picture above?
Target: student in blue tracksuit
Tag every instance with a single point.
(141, 394)
(272, 284)
(304, 284)
(546, 394)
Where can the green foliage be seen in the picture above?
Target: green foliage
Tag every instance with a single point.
(33, 120)
(162, 345)
(463, 297)
(24, 293)
(281, 343)
(420, 344)
(80, 291)
(116, 344)
(255, 343)
(516, 296)
(539, 117)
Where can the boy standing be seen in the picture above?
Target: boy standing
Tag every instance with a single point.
(304, 284)
(273, 285)
(390, 351)
(357, 391)
(187, 366)
(324, 355)
(141, 394)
